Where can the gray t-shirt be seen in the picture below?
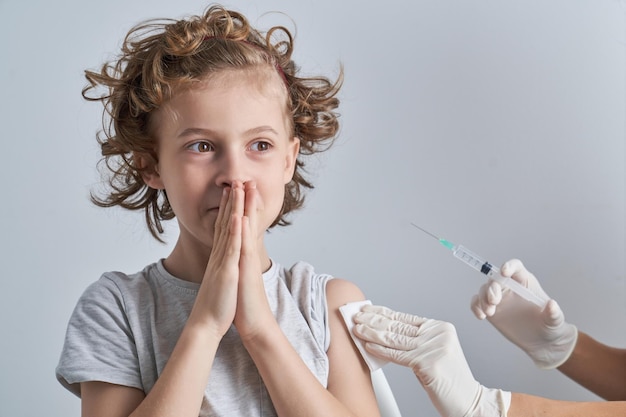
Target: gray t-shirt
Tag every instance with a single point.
(124, 328)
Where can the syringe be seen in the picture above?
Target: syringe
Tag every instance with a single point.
(491, 271)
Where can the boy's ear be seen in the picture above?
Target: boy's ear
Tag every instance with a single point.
(149, 170)
(293, 150)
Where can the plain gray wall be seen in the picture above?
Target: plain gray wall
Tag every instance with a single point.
(496, 124)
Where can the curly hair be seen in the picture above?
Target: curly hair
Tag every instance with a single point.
(160, 56)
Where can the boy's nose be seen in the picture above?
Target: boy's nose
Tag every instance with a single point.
(231, 169)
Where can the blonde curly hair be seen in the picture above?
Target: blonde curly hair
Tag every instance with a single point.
(163, 55)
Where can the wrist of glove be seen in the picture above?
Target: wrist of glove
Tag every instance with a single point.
(490, 403)
(543, 335)
(555, 343)
(432, 350)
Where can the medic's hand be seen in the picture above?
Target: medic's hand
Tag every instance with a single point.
(544, 335)
(432, 350)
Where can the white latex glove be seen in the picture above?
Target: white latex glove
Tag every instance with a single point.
(432, 350)
(544, 335)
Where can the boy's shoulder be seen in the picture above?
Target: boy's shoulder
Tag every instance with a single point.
(117, 282)
(151, 286)
(301, 269)
(302, 275)
(302, 278)
(125, 278)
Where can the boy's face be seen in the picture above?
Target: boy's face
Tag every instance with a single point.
(223, 130)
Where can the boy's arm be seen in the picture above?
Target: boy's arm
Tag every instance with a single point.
(178, 391)
(105, 399)
(350, 378)
(294, 390)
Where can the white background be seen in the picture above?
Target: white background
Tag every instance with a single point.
(499, 125)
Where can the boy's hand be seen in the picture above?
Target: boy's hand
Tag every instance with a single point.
(217, 298)
(253, 309)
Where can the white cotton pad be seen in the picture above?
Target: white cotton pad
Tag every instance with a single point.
(347, 312)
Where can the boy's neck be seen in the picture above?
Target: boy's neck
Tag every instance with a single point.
(189, 262)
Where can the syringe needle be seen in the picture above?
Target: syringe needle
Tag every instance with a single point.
(441, 240)
(425, 231)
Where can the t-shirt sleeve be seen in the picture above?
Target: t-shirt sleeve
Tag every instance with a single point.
(319, 309)
(310, 290)
(99, 343)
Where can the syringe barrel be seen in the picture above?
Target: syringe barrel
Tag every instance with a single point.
(493, 272)
(520, 290)
(473, 260)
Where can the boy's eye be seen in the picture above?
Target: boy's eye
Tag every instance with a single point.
(201, 147)
(260, 146)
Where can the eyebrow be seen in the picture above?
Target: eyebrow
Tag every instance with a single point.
(200, 131)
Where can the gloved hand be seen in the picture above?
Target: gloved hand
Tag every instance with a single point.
(544, 335)
(432, 350)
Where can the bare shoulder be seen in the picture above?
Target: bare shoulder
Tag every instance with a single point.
(341, 291)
